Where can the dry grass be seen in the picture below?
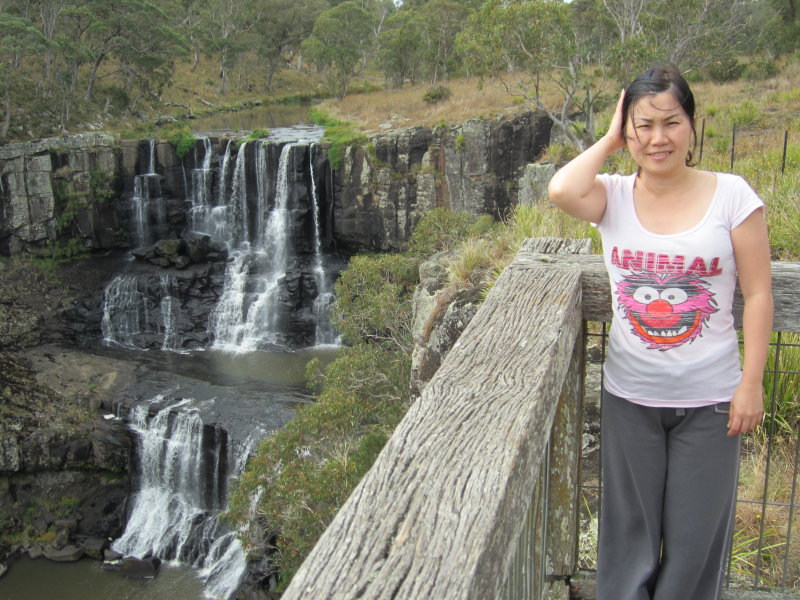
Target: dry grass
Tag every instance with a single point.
(778, 562)
(405, 107)
(778, 99)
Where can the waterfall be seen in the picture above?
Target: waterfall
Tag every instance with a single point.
(262, 193)
(248, 311)
(169, 314)
(132, 313)
(261, 202)
(180, 492)
(147, 203)
(324, 333)
(201, 191)
(127, 312)
(238, 200)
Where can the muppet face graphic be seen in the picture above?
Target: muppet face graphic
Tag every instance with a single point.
(665, 310)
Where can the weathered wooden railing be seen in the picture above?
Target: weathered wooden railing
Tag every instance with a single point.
(475, 494)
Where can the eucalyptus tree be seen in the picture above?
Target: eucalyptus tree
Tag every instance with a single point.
(531, 48)
(443, 20)
(132, 37)
(19, 39)
(689, 33)
(379, 11)
(46, 15)
(783, 26)
(281, 28)
(226, 26)
(336, 44)
(400, 47)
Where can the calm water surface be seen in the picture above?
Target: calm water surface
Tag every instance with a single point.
(42, 579)
(260, 117)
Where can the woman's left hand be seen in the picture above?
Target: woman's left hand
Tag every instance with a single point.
(747, 409)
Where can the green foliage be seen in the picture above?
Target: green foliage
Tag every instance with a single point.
(373, 299)
(437, 94)
(281, 27)
(760, 68)
(258, 134)
(340, 35)
(139, 132)
(100, 183)
(181, 137)
(782, 385)
(402, 47)
(19, 39)
(725, 70)
(783, 213)
(744, 113)
(440, 230)
(66, 506)
(630, 57)
(339, 135)
(442, 21)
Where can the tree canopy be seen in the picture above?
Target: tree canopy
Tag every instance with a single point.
(64, 59)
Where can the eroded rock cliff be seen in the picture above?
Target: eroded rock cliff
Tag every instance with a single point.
(63, 468)
(382, 189)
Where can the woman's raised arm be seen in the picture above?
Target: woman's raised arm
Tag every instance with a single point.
(574, 188)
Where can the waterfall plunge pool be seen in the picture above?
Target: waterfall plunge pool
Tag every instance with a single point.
(42, 579)
(246, 392)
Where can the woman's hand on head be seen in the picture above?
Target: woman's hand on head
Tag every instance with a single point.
(616, 128)
(747, 409)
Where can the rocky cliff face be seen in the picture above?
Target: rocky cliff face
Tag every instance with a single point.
(63, 468)
(78, 190)
(382, 189)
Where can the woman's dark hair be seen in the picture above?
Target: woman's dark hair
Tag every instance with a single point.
(655, 81)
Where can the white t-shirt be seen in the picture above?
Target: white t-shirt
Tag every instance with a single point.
(672, 341)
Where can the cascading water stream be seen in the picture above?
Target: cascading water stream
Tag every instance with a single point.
(148, 204)
(201, 191)
(132, 313)
(175, 510)
(169, 314)
(247, 313)
(324, 332)
(258, 199)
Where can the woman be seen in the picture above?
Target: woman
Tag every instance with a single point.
(676, 397)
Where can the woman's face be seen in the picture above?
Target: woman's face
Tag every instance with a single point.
(659, 133)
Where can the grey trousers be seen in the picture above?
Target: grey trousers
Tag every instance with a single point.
(669, 489)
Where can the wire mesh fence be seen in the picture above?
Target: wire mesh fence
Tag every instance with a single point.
(768, 147)
(765, 544)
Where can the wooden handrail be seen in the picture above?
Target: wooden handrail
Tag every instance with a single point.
(441, 510)
(597, 293)
(441, 513)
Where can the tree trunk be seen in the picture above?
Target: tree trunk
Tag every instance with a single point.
(223, 74)
(93, 78)
(7, 118)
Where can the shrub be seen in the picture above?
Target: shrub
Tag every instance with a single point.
(373, 299)
(338, 134)
(437, 94)
(180, 136)
(439, 230)
(725, 70)
(762, 68)
(744, 113)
